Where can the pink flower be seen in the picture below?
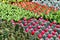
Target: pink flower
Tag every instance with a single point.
(49, 35)
(43, 32)
(39, 36)
(38, 27)
(30, 26)
(27, 30)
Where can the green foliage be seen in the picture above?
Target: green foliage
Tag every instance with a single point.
(19, 0)
(9, 12)
(53, 16)
(7, 1)
(12, 0)
(11, 32)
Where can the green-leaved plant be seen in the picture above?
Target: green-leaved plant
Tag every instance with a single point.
(9, 12)
(52, 16)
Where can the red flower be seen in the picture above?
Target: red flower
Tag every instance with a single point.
(25, 24)
(59, 36)
(49, 35)
(42, 24)
(53, 33)
(29, 21)
(46, 30)
(35, 29)
(33, 23)
(55, 30)
(51, 24)
(54, 22)
(57, 26)
(33, 32)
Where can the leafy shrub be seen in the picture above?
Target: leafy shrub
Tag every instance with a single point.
(52, 16)
(7, 1)
(10, 32)
(9, 12)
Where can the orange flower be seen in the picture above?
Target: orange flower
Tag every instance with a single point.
(47, 12)
(39, 13)
(55, 9)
